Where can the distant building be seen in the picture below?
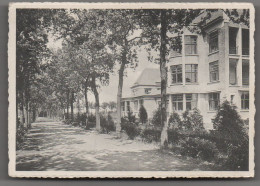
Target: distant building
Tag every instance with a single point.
(145, 91)
(204, 71)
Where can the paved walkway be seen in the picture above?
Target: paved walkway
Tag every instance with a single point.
(60, 147)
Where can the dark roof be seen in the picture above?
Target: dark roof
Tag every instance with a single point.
(149, 76)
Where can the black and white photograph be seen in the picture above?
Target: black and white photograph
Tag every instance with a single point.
(131, 90)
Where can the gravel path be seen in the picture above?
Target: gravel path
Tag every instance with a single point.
(59, 147)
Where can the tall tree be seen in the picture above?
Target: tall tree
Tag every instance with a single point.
(156, 26)
(124, 38)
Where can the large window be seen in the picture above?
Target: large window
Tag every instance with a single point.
(213, 71)
(245, 42)
(233, 40)
(191, 101)
(233, 72)
(191, 73)
(213, 101)
(245, 72)
(190, 45)
(245, 100)
(177, 102)
(176, 71)
(213, 42)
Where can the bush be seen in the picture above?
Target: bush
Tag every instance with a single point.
(151, 135)
(192, 120)
(131, 129)
(156, 120)
(143, 115)
(91, 121)
(233, 137)
(107, 124)
(237, 157)
(175, 121)
(174, 136)
(198, 148)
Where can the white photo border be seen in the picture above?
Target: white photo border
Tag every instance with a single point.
(122, 174)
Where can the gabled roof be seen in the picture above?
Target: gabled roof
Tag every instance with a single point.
(149, 76)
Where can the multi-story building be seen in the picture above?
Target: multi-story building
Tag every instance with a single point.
(207, 69)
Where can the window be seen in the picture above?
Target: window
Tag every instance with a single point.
(213, 71)
(176, 71)
(232, 99)
(245, 72)
(245, 41)
(191, 73)
(177, 46)
(177, 102)
(128, 106)
(233, 40)
(147, 90)
(245, 100)
(136, 105)
(123, 106)
(190, 45)
(233, 72)
(191, 101)
(213, 42)
(213, 101)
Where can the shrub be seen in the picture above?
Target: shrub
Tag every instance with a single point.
(151, 134)
(131, 117)
(237, 157)
(107, 124)
(233, 137)
(156, 120)
(198, 148)
(228, 122)
(175, 121)
(143, 114)
(192, 120)
(174, 136)
(131, 129)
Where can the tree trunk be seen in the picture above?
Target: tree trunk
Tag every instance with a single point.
(86, 103)
(22, 109)
(94, 89)
(68, 100)
(163, 71)
(119, 98)
(64, 114)
(120, 87)
(71, 105)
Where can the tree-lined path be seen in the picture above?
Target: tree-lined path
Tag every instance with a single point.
(56, 146)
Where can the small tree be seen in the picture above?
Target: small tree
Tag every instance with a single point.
(228, 122)
(230, 127)
(156, 120)
(143, 114)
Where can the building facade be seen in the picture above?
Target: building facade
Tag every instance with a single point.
(207, 69)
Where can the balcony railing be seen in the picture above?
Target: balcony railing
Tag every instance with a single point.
(245, 51)
(233, 50)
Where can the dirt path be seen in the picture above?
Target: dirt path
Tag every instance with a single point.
(61, 147)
